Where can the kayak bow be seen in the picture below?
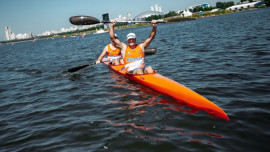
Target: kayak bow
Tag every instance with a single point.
(173, 89)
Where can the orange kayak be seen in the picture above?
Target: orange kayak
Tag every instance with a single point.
(173, 89)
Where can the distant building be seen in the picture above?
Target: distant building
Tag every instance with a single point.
(147, 14)
(159, 9)
(13, 36)
(205, 5)
(245, 6)
(152, 8)
(129, 16)
(216, 10)
(8, 33)
(156, 8)
(54, 32)
(201, 5)
(186, 13)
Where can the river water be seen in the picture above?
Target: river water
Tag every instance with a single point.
(224, 58)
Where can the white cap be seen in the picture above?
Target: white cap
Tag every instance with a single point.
(130, 36)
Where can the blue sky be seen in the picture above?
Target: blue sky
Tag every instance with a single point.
(37, 16)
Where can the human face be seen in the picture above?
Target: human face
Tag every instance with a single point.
(131, 41)
(112, 41)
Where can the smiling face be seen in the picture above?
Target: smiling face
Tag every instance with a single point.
(131, 42)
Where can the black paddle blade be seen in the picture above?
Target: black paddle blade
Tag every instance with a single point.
(78, 68)
(83, 20)
(105, 17)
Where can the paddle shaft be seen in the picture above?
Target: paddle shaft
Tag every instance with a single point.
(80, 67)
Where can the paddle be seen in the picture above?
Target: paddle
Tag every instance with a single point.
(74, 69)
(149, 51)
(89, 20)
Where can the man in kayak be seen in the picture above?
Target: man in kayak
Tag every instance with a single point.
(133, 53)
(113, 54)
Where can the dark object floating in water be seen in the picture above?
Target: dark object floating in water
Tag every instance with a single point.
(180, 20)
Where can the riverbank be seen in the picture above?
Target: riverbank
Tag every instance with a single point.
(92, 30)
(204, 14)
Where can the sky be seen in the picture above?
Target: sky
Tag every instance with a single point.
(38, 16)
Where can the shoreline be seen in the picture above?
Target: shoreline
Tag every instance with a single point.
(169, 20)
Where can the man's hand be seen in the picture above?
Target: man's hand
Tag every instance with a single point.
(154, 23)
(113, 22)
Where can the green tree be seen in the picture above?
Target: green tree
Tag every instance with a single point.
(224, 5)
(219, 5)
(267, 2)
(197, 9)
(156, 17)
(153, 17)
(171, 13)
(246, 0)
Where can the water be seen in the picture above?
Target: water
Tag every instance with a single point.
(225, 58)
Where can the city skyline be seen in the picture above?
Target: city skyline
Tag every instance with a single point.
(13, 36)
(41, 16)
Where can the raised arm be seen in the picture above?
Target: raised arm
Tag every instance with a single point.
(152, 35)
(113, 39)
(118, 43)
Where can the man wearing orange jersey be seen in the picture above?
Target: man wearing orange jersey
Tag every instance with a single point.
(113, 54)
(133, 53)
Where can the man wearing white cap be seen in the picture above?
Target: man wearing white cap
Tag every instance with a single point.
(113, 54)
(133, 53)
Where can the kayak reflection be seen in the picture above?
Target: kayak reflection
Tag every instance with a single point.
(141, 106)
(148, 97)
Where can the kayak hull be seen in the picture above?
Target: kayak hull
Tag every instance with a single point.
(173, 89)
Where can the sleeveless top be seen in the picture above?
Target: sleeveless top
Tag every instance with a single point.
(113, 54)
(134, 59)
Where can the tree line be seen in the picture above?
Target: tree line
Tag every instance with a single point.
(224, 5)
(221, 5)
(246, 0)
(267, 2)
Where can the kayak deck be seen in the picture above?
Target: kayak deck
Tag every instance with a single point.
(173, 89)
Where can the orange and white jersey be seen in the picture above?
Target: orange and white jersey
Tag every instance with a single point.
(134, 58)
(113, 54)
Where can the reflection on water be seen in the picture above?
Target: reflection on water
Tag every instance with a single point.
(144, 97)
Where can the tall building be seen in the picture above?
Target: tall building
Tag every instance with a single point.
(156, 8)
(159, 9)
(8, 33)
(152, 8)
(129, 16)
